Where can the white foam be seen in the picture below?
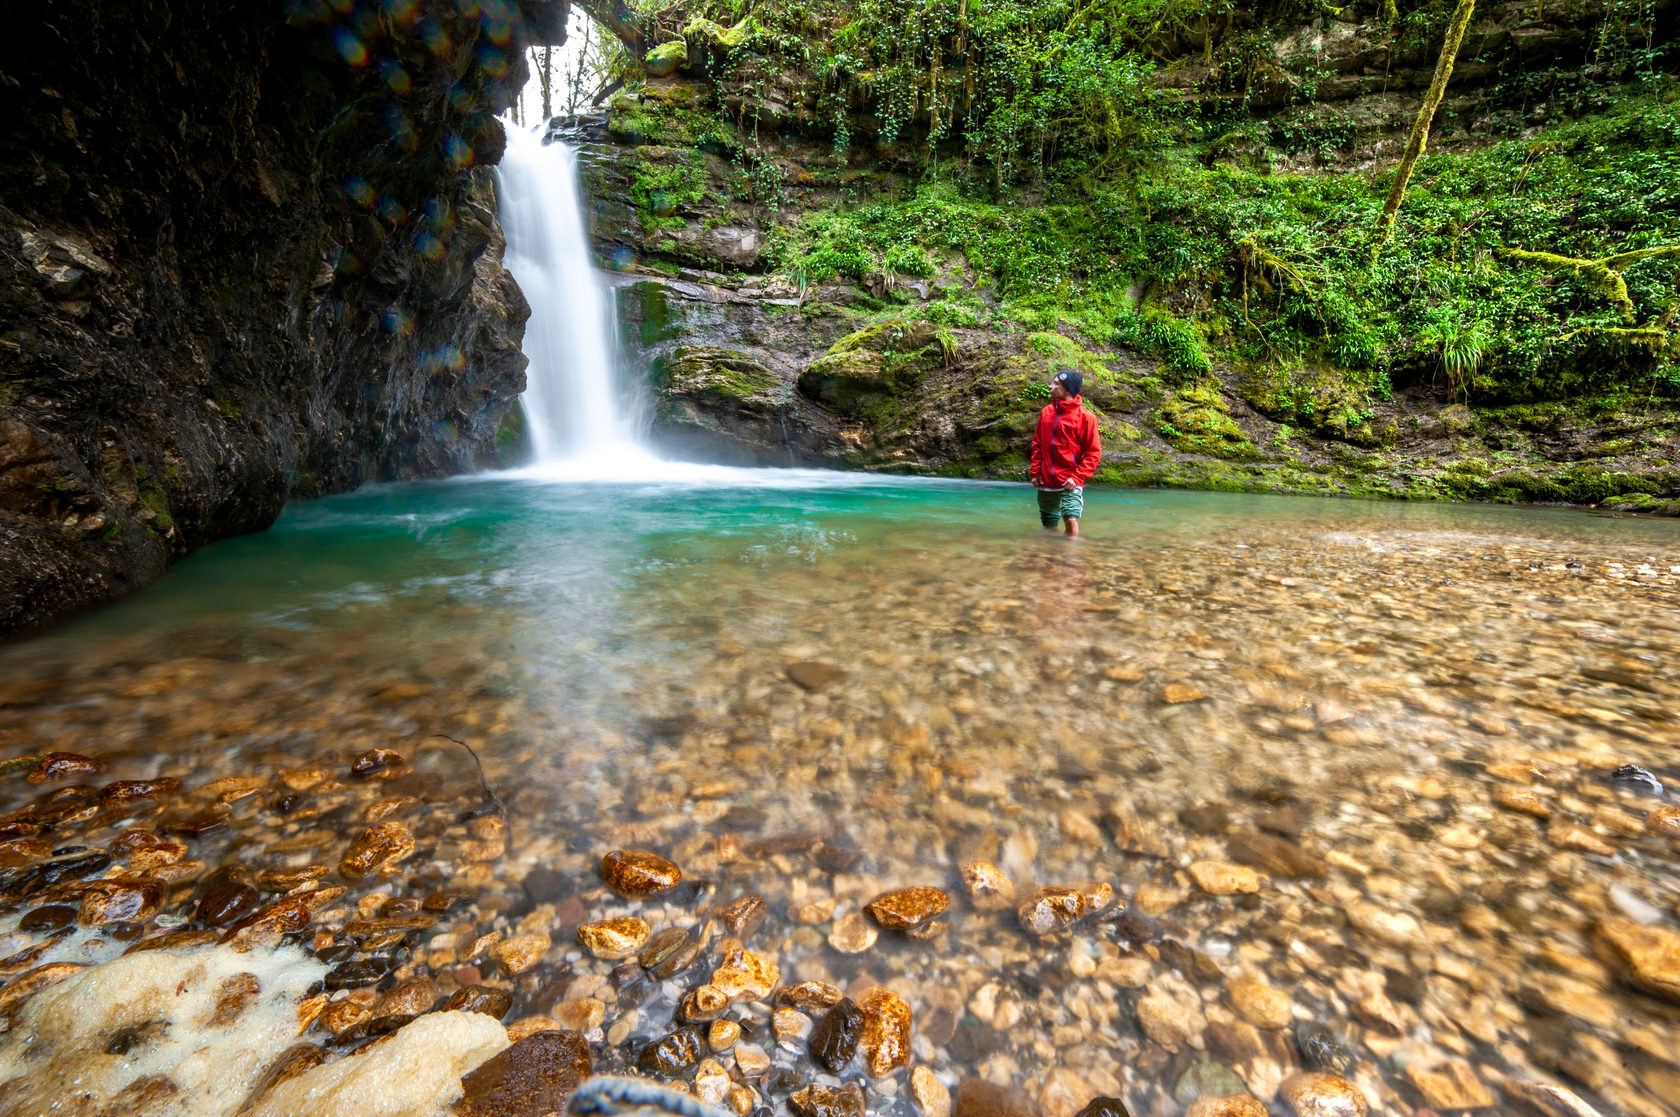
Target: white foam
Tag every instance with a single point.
(150, 1014)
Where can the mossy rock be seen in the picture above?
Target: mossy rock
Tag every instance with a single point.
(1319, 399)
(845, 381)
(1197, 420)
(895, 335)
(666, 59)
(710, 371)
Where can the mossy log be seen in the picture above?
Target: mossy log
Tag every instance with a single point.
(1603, 274)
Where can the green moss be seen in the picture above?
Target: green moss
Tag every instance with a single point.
(720, 373)
(1197, 420)
(666, 59)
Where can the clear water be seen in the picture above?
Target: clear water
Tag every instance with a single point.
(616, 653)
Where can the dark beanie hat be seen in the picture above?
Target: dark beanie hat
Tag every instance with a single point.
(1070, 380)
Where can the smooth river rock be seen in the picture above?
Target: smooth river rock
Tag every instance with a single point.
(636, 873)
(907, 908)
(377, 847)
(1312, 1094)
(885, 1038)
(614, 938)
(1222, 878)
(535, 1076)
(1648, 957)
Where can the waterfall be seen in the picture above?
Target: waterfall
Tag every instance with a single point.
(577, 408)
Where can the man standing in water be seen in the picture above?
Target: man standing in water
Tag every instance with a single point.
(1066, 451)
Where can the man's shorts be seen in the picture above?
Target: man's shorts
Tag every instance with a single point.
(1066, 504)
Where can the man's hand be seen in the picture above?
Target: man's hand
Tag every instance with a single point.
(1070, 483)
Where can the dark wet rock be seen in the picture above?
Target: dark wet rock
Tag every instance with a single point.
(293, 1061)
(744, 916)
(119, 901)
(28, 880)
(481, 998)
(817, 1100)
(907, 908)
(814, 675)
(669, 1056)
(20, 851)
(234, 995)
(634, 873)
(1320, 1049)
(175, 940)
(834, 857)
(975, 1097)
(1286, 821)
(123, 792)
(411, 997)
(446, 900)
(1273, 855)
(63, 766)
(546, 885)
(53, 917)
(1207, 818)
(225, 902)
(360, 972)
(200, 824)
(377, 764)
(1206, 1079)
(974, 1041)
(1104, 1107)
(378, 846)
(834, 1040)
(662, 944)
(535, 1076)
(1638, 779)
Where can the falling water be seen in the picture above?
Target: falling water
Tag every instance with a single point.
(576, 409)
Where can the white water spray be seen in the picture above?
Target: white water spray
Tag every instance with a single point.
(576, 408)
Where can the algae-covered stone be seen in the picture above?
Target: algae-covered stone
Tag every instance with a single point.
(666, 59)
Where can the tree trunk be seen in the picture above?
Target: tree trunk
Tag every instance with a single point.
(1426, 114)
(546, 77)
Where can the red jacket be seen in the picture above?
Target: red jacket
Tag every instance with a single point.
(1065, 444)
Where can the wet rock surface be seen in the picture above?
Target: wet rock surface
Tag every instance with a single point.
(134, 434)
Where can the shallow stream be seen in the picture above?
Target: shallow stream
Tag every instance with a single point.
(1390, 727)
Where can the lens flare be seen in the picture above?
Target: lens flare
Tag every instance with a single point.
(358, 190)
(349, 47)
(458, 151)
(395, 76)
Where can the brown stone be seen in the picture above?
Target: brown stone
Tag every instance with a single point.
(295, 1060)
(521, 952)
(379, 846)
(852, 934)
(907, 908)
(535, 1076)
(1454, 1086)
(746, 976)
(1312, 1094)
(977, 1097)
(814, 675)
(1222, 878)
(1523, 801)
(614, 938)
(63, 766)
(411, 997)
(341, 1017)
(932, 1098)
(121, 901)
(1053, 908)
(817, 1100)
(381, 764)
(810, 995)
(279, 918)
(885, 1038)
(123, 792)
(1258, 1003)
(702, 1005)
(27, 984)
(233, 996)
(744, 916)
(1664, 822)
(1174, 694)
(1648, 957)
(481, 998)
(1278, 857)
(635, 873)
(1236, 1105)
(989, 888)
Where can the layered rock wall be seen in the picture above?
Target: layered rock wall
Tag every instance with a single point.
(247, 252)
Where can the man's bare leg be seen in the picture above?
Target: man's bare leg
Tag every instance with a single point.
(1072, 523)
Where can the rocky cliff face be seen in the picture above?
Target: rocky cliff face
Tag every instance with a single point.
(886, 371)
(247, 252)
